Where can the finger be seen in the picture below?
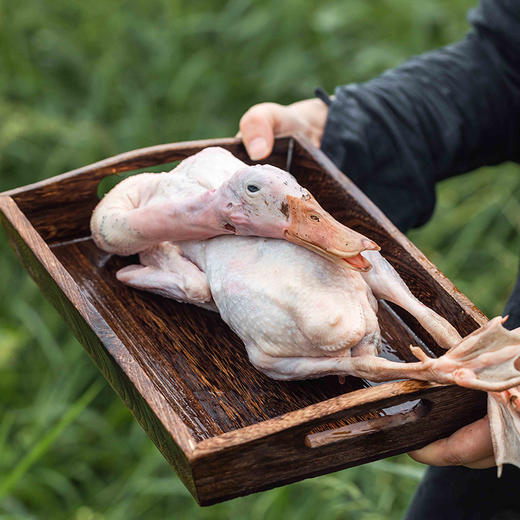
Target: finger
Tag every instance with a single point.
(258, 126)
(469, 445)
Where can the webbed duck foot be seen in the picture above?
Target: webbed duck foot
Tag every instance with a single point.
(504, 421)
(488, 359)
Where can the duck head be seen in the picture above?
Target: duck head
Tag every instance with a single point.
(266, 201)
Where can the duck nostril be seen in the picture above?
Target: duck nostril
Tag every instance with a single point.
(516, 364)
(315, 217)
(229, 227)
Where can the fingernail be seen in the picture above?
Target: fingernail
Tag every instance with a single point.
(257, 148)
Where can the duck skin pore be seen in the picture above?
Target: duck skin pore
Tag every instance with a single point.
(227, 236)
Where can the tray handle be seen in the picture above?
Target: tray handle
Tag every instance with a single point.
(434, 411)
(378, 424)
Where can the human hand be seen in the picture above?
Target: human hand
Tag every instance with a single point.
(265, 121)
(470, 446)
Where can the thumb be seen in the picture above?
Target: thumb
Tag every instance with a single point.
(257, 129)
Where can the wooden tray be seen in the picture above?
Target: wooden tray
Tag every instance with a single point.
(227, 429)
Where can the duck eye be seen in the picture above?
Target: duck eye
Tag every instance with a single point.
(252, 188)
(315, 217)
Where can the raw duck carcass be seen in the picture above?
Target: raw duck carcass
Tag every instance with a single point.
(227, 236)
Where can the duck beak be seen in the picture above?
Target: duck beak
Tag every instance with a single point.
(315, 229)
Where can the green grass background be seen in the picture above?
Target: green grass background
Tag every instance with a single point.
(80, 81)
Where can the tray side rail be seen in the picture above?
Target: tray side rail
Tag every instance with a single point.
(109, 354)
(278, 452)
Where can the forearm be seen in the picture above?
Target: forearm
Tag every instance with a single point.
(438, 115)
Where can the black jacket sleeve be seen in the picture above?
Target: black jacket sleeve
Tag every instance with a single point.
(439, 114)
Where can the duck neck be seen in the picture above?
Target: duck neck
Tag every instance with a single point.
(196, 217)
(203, 216)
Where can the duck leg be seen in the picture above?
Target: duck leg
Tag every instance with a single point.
(164, 271)
(386, 284)
(488, 359)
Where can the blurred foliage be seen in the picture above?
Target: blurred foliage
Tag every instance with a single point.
(80, 81)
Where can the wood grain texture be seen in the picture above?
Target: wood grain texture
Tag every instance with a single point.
(186, 376)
